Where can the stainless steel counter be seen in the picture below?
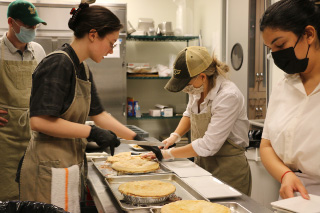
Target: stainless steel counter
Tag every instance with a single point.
(105, 201)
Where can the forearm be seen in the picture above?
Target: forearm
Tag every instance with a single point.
(184, 152)
(183, 126)
(107, 121)
(59, 127)
(271, 161)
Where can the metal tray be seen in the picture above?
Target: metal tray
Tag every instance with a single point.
(234, 207)
(105, 168)
(183, 190)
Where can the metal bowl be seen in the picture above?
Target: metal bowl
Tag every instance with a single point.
(145, 200)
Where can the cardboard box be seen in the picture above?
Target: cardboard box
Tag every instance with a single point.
(155, 112)
(167, 112)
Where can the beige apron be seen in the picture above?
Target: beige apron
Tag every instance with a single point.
(229, 164)
(46, 153)
(15, 90)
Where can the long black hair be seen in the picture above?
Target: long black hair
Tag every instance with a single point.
(292, 15)
(99, 18)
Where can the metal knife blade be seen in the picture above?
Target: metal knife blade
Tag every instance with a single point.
(146, 143)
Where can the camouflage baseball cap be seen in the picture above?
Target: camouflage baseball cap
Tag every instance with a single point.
(190, 62)
(25, 12)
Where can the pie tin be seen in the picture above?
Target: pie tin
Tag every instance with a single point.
(145, 200)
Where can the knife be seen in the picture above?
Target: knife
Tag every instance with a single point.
(145, 143)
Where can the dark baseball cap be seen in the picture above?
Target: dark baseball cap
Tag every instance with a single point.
(190, 62)
(25, 12)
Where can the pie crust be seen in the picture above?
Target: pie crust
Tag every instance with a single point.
(135, 165)
(194, 206)
(147, 188)
(119, 157)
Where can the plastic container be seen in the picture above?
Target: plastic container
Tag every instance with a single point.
(130, 109)
(137, 112)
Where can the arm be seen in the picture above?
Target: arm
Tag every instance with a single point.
(182, 128)
(3, 121)
(275, 166)
(107, 121)
(59, 127)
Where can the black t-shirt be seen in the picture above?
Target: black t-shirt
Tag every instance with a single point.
(53, 85)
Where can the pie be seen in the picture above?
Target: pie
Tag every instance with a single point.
(119, 157)
(194, 206)
(147, 188)
(135, 164)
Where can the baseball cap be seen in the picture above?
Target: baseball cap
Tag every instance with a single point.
(25, 12)
(190, 62)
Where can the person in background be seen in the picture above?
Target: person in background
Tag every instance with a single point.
(19, 57)
(215, 114)
(63, 96)
(290, 141)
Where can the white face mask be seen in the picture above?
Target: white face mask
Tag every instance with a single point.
(190, 89)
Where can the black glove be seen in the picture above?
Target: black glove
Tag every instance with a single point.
(153, 149)
(104, 138)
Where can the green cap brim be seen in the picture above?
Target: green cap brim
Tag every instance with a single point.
(32, 21)
(176, 84)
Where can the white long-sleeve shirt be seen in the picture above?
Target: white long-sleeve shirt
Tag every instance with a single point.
(229, 117)
(293, 125)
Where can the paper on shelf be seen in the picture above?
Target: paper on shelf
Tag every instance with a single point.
(299, 204)
(211, 187)
(186, 168)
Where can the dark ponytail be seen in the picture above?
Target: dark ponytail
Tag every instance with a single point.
(99, 18)
(292, 15)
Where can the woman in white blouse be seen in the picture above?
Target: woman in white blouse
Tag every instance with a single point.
(216, 115)
(290, 145)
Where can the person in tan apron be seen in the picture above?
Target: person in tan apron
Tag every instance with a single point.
(290, 142)
(17, 63)
(216, 116)
(63, 96)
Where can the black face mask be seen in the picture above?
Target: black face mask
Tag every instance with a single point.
(287, 61)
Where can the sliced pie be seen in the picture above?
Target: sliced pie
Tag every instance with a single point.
(135, 164)
(119, 157)
(194, 206)
(147, 188)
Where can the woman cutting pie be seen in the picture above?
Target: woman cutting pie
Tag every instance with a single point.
(215, 114)
(63, 96)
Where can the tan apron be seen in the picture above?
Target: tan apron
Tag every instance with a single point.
(229, 164)
(15, 90)
(46, 153)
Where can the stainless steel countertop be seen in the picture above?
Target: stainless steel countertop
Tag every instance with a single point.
(105, 201)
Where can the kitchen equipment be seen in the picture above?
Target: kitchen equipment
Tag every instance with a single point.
(105, 169)
(166, 28)
(183, 190)
(144, 24)
(130, 28)
(145, 143)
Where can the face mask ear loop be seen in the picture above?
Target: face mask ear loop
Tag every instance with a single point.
(308, 50)
(297, 42)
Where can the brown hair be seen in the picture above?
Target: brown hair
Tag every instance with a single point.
(215, 69)
(99, 18)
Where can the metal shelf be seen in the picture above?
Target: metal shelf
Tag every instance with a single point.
(147, 116)
(160, 38)
(146, 77)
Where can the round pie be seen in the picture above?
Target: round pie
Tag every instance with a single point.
(135, 165)
(147, 188)
(194, 206)
(119, 157)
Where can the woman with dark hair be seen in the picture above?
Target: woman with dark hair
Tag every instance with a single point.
(290, 145)
(63, 96)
